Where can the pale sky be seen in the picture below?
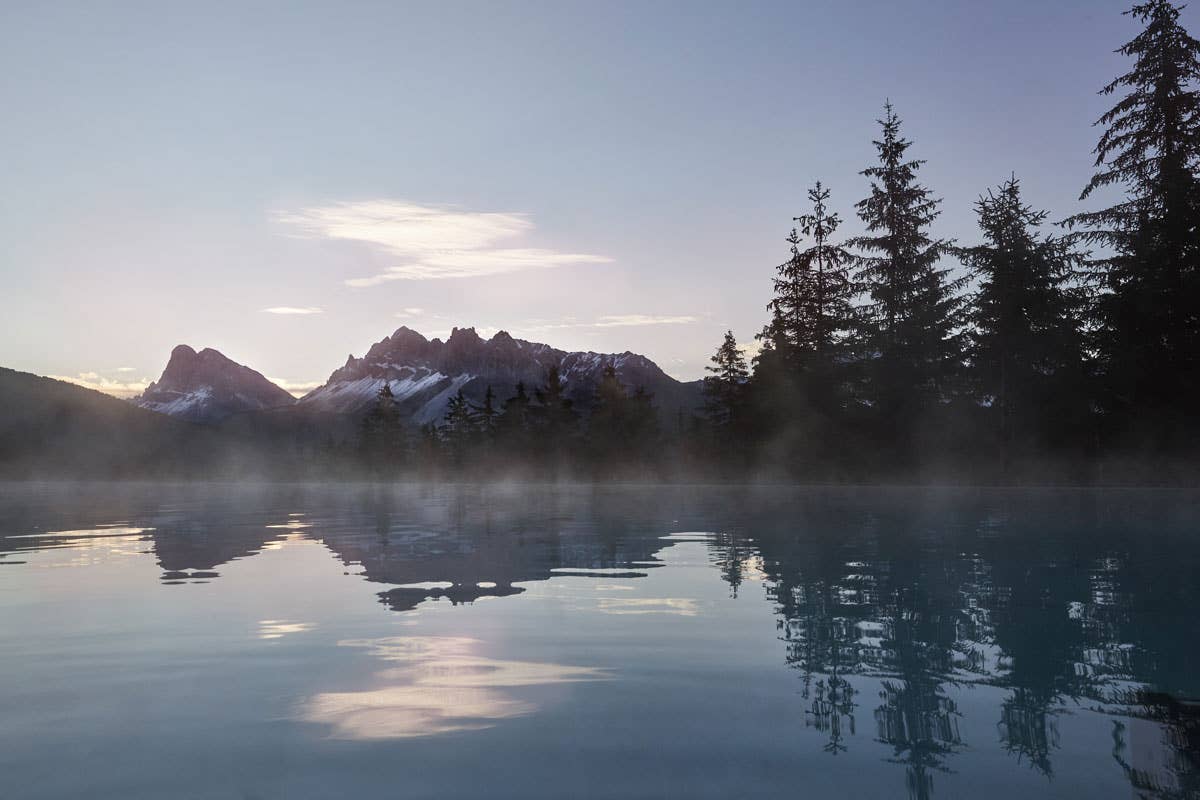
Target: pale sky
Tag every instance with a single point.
(290, 182)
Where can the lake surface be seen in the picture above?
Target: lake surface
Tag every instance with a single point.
(315, 642)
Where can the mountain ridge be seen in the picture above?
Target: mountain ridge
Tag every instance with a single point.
(423, 375)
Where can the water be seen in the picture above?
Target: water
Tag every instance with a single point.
(307, 642)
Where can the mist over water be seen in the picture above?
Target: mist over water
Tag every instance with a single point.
(305, 641)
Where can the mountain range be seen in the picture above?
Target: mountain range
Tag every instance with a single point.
(423, 374)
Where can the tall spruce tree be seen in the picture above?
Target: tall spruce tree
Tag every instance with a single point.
(1025, 344)
(1147, 307)
(724, 390)
(910, 324)
(811, 310)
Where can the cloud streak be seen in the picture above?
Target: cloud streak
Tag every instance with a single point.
(293, 310)
(296, 388)
(99, 383)
(608, 321)
(637, 320)
(432, 242)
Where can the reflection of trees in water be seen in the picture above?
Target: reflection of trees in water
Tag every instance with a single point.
(1029, 727)
(1158, 747)
(729, 553)
(832, 711)
(857, 594)
(915, 716)
(920, 722)
(1059, 598)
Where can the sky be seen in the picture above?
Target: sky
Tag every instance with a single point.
(290, 182)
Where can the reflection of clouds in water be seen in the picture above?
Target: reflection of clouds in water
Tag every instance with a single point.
(86, 533)
(442, 686)
(278, 628)
(689, 536)
(292, 525)
(681, 606)
(286, 539)
(88, 546)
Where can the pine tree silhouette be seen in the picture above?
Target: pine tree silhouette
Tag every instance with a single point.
(1025, 344)
(1147, 279)
(725, 388)
(910, 324)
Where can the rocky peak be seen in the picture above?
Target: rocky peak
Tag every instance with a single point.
(206, 386)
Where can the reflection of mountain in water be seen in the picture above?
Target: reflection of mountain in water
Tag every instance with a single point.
(476, 548)
(459, 545)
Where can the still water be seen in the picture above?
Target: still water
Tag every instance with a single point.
(316, 642)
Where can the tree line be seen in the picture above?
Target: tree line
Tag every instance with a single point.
(1075, 343)
(1048, 348)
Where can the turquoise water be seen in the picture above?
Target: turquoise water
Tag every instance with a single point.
(309, 642)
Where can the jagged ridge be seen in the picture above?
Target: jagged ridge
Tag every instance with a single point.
(423, 374)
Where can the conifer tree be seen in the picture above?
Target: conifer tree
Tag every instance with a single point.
(512, 426)
(725, 388)
(382, 434)
(644, 425)
(1147, 309)
(488, 413)
(459, 427)
(553, 416)
(811, 310)
(1025, 345)
(800, 383)
(909, 326)
(609, 431)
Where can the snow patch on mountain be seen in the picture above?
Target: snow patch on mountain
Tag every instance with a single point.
(435, 407)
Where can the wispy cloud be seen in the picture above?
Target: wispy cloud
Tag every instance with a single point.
(293, 310)
(634, 320)
(431, 242)
(100, 383)
(607, 321)
(409, 313)
(296, 388)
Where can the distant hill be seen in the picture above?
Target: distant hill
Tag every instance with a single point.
(53, 429)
